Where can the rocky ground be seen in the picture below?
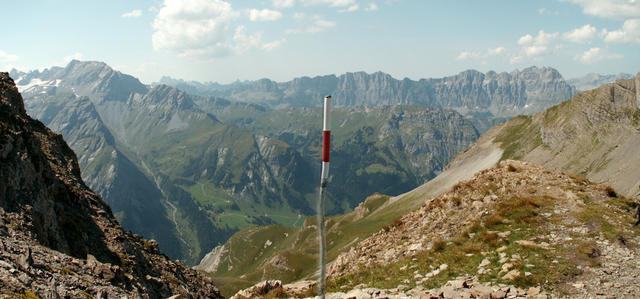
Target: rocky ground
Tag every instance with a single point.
(28, 268)
(466, 287)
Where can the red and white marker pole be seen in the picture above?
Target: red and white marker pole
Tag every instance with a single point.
(326, 140)
(324, 180)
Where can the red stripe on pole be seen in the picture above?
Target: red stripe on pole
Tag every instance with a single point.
(326, 144)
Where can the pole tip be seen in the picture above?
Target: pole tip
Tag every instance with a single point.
(327, 97)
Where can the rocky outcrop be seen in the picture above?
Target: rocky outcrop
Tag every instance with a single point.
(211, 260)
(59, 238)
(258, 290)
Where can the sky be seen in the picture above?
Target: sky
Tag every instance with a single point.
(224, 41)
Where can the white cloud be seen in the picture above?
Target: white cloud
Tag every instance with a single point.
(496, 51)
(629, 33)
(533, 46)
(464, 55)
(283, 3)
(583, 34)
(205, 29)
(264, 15)
(331, 3)
(318, 24)
(245, 41)
(594, 55)
(6, 57)
(372, 7)
(590, 55)
(516, 59)
(538, 45)
(194, 27)
(132, 14)
(544, 11)
(525, 39)
(74, 56)
(613, 9)
(270, 46)
(351, 8)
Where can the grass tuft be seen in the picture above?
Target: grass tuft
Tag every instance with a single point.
(494, 220)
(610, 192)
(438, 245)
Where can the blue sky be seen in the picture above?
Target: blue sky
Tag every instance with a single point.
(224, 41)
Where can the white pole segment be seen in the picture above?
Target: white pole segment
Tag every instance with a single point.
(326, 125)
(325, 171)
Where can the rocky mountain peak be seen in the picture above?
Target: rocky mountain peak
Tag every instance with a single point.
(167, 95)
(76, 65)
(468, 74)
(9, 93)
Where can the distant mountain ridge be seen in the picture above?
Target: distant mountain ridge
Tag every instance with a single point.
(593, 80)
(502, 94)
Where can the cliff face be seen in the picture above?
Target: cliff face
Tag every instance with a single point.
(59, 238)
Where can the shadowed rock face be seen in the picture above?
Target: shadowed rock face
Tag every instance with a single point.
(51, 220)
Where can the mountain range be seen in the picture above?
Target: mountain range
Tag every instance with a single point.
(207, 165)
(518, 224)
(501, 94)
